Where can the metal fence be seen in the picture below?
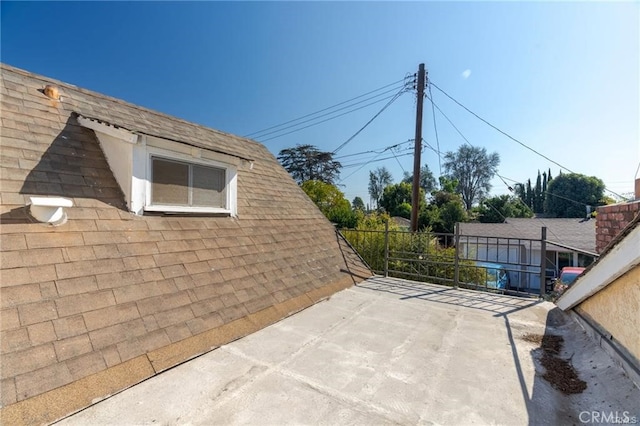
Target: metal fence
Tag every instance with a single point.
(504, 265)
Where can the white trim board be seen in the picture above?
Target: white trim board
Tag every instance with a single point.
(622, 258)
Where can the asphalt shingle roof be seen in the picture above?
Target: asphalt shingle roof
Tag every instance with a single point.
(575, 233)
(109, 298)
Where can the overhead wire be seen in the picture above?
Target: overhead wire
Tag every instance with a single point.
(325, 120)
(368, 159)
(374, 151)
(393, 99)
(328, 108)
(511, 137)
(398, 161)
(435, 129)
(263, 133)
(376, 159)
(494, 170)
(373, 160)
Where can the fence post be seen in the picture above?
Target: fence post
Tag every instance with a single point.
(386, 248)
(456, 264)
(543, 261)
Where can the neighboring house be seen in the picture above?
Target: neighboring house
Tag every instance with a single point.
(168, 240)
(403, 224)
(605, 299)
(516, 244)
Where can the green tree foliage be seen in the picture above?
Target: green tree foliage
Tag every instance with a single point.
(306, 162)
(474, 169)
(519, 190)
(444, 211)
(331, 202)
(497, 209)
(427, 181)
(358, 204)
(448, 185)
(422, 257)
(535, 196)
(538, 196)
(569, 194)
(396, 199)
(379, 179)
(529, 195)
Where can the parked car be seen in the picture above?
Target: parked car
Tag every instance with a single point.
(569, 274)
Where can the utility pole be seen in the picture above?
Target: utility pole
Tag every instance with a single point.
(415, 199)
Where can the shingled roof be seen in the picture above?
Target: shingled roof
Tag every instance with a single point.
(575, 233)
(110, 298)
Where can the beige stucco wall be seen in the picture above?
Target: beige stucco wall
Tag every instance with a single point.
(617, 310)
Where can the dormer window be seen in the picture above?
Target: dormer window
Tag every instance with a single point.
(175, 185)
(167, 176)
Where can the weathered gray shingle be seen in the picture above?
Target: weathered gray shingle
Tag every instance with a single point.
(575, 233)
(108, 298)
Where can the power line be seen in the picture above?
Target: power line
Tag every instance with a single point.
(399, 163)
(280, 127)
(511, 137)
(375, 151)
(367, 159)
(435, 127)
(325, 120)
(494, 170)
(497, 174)
(376, 159)
(328, 108)
(369, 162)
(396, 96)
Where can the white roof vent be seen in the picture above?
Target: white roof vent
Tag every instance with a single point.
(49, 209)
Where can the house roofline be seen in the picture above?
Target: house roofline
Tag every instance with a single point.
(621, 258)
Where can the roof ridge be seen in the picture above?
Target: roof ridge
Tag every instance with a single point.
(51, 80)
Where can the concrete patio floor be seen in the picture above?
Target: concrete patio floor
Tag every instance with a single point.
(387, 351)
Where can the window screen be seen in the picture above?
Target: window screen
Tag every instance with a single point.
(208, 186)
(186, 184)
(170, 182)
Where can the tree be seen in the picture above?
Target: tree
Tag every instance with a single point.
(474, 169)
(538, 196)
(358, 204)
(497, 209)
(445, 210)
(519, 190)
(529, 195)
(378, 180)
(306, 162)
(331, 202)
(569, 194)
(396, 199)
(427, 181)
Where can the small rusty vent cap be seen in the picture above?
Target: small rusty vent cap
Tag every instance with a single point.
(52, 92)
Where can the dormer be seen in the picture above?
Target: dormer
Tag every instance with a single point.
(162, 175)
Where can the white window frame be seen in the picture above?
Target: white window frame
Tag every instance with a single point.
(231, 179)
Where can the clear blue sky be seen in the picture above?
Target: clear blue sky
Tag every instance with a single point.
(561, 77)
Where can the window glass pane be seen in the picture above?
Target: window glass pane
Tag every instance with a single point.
(208, 187)
(564, 259)
(170, 182)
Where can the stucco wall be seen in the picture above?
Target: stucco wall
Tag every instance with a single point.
(617, 310)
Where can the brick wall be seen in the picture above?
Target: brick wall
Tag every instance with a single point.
(611, 220)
